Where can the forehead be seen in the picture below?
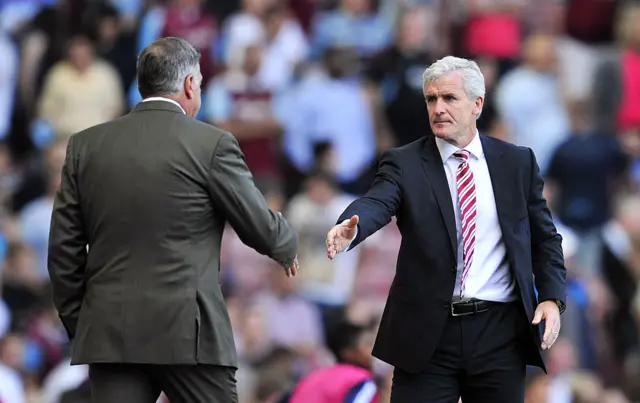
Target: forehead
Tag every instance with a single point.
(451, 83)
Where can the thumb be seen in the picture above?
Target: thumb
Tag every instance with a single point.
(537, 317)
(353, 222)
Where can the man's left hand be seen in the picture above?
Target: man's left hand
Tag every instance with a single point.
(550, 313)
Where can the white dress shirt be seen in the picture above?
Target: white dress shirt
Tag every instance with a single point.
(165, 100)
(489, 277)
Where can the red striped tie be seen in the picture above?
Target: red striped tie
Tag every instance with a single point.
(467, 204)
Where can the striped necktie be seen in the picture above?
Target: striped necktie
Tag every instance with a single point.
(467, 204)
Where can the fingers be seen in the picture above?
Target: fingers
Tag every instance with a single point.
(334, 237)
(545, 337)
(332, 242)
(551, 332)
(537, 317)
(292, 270)
(353, 222)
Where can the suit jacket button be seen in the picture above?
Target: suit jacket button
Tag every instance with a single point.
(454, 269)
(446, 305)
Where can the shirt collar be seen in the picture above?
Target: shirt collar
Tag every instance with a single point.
(165, 100)
(447, 149)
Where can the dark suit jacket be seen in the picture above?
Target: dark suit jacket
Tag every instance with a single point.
(150, 194)
(411, 184)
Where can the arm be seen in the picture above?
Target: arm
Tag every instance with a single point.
(67, 256)
(234, 192)
(546, 244)
(381, 201)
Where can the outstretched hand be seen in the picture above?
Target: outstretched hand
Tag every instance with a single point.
(292, 270)
(341, 235)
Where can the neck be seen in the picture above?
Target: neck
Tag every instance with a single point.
(463, 140)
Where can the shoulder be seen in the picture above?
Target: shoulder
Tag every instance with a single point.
(210, 137)
(513, 155)
(58, 71)
(198, 131)
(504, 146)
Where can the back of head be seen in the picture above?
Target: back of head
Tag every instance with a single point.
(164, 65)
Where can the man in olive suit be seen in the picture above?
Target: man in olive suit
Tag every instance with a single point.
(134, 249)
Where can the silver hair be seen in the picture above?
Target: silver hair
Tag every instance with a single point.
(164, 65)
(472, 77)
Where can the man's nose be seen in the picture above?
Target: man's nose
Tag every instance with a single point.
(439, 107)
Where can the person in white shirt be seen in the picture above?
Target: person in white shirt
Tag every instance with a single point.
(463, 318)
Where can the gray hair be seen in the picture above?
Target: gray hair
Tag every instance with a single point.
(471, 75)
(163, 66)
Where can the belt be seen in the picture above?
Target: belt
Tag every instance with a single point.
(471, 307)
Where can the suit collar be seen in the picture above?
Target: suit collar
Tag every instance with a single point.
(434, 169)
(492, 148)
(158, 103)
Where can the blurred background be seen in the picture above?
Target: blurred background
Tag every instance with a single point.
(315, 90)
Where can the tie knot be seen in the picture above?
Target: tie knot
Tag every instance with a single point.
(462, 155)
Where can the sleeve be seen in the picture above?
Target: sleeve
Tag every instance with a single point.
(67, 256)
(234, 192)
(364, 392)
(546, 244)
(376, 208)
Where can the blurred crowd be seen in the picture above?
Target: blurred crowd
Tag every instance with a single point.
(315, 91)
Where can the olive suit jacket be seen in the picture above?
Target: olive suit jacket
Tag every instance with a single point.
(136, 229)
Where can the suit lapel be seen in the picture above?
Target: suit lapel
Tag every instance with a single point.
(434, 169)
(499, 179)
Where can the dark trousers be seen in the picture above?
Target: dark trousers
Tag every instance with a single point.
(116, 383)
(481, 358)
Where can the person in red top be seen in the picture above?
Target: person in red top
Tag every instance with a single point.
(351, 379)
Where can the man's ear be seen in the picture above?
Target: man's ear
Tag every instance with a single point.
(189, 86)
(477, 107)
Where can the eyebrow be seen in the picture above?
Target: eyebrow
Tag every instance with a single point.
(444, 94)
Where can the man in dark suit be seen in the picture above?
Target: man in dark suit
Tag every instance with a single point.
(462, 318)
(135, 241)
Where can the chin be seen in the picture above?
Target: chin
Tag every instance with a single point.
(442, 134)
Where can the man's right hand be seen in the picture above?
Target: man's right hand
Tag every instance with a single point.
(293, 269)
(340, 236)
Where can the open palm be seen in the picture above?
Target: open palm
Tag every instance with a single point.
(341, 235)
